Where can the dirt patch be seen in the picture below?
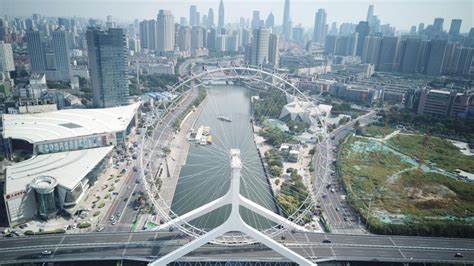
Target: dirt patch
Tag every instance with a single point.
(433, 192)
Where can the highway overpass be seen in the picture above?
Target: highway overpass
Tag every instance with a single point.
(147, 246)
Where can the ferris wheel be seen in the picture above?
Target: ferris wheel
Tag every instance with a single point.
(205, 198)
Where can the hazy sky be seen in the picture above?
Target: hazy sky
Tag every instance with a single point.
(400, 13)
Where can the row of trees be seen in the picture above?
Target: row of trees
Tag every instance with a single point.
(269, 105)
(293, 194)
(274, 161)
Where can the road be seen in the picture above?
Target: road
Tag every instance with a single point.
(338, 214)
(147, 245)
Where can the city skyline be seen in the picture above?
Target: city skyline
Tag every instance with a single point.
(301, 11)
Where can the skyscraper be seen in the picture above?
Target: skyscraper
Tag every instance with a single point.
(273, 53)
(256, 19)
(60, 47)
(165, 31)
(259, 47)
(36, 51)
(387, 54)
(6, 57)
(438, 24)
(409, 55)
(197, 37)
(210, 18)
(184, 38)
(286, 21)
(319, 26)
(370, 13)
(148, 34)
(371, 49)
(107, 67)
(455, 27)
(363, 30)
(270, 22)
(220, 24)
(435, 56)
(193, 16)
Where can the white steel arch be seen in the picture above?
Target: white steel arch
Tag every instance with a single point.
(245, 73)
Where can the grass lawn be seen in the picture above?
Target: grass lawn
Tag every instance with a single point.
(439, 151)
(372, 177)
(376, 131)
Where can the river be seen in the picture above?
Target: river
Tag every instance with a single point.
(206, 173)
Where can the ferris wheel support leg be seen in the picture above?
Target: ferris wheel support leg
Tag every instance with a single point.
(206, 208)
(275, 246)
(256, 208)
(191, 246)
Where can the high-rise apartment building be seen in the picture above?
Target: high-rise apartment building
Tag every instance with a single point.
(108, 67)
(410, 50)
(371, 49)
(363, 30)
(319, 26)
(387, 54)
(455, 27)
(148, 34)
(438, 24)
(197, 37)
(6, 57)
(184, 38)
(165, 31)
(435, 56)
(273, 52)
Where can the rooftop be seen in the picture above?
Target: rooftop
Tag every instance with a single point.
(69, 123)
(68, 168)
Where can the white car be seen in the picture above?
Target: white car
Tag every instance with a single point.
(46, 252)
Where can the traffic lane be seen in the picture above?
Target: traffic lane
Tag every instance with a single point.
(26, 241)
(96, 238)
(367, 253)
(432, 242)
(438, 255)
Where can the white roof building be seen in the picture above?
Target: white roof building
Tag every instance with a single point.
(66, 124)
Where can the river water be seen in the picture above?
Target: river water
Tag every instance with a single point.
(206, 173)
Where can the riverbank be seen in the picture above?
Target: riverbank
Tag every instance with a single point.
(175, 160)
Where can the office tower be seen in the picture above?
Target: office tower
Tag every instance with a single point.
(387, 54)
(66, 23)
(455, 27)
(346, 29)
(60, 45)
(246, 37)
(211, 39)
(298, 33)
(421, 27)
(6, 57)
(256, 20)
(351, 45)
(435, 56)
(184, 38)
(260, 43)
(333, 30)
(220, 22)
(370, 13)
(371, 49)
(438, 24)
(148, 34)
(210, 18)
(410, 55)
(270, 22)
(183, 21)
(319, 26)
(330, 44)
(273, 52)
(36, 51)
(462, 60)
(413, 30)
(362, 30)
(197, 36)
(193, 16)
(286, 21)
(107, 67)
(165, 31)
